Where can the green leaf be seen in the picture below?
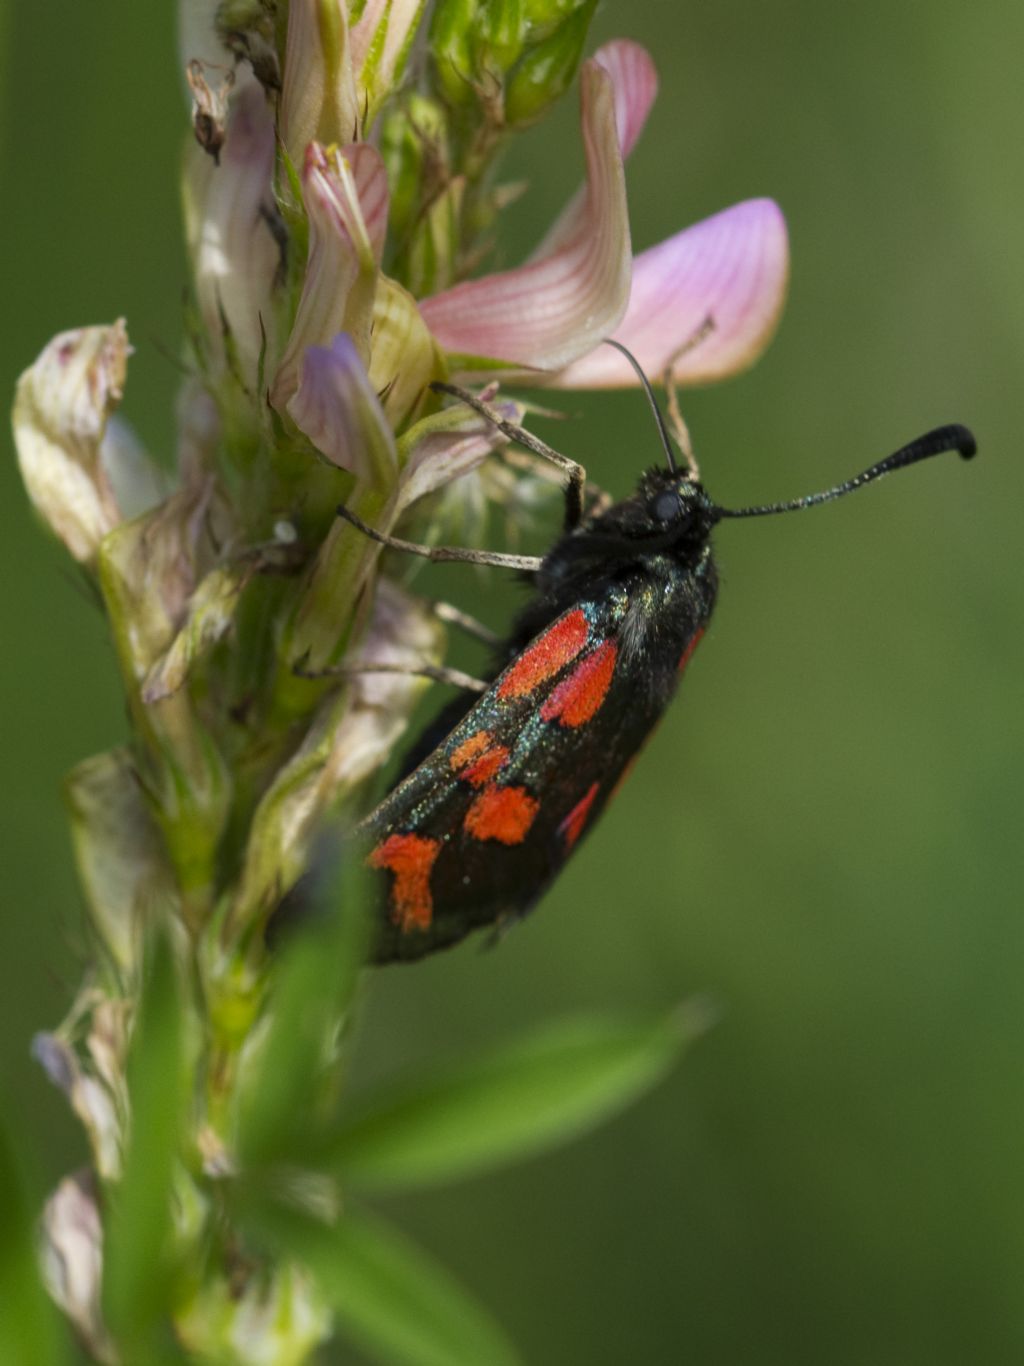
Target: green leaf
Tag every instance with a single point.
(516, 1101)
(391, 1299)
(313, 981)
(136, 1284)
(30, 1330)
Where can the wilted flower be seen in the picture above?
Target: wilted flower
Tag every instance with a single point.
(73, 1260)
(60, 417)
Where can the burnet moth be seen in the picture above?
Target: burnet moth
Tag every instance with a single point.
(501, 789)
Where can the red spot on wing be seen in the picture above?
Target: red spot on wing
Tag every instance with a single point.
(579, 697)
(549, 653)
(691, 645)
(572, 827)
(411, 859)
(477, 760)
(482, 770)
(504, 814)
(469, 749)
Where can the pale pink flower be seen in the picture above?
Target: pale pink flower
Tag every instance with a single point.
(583, 284)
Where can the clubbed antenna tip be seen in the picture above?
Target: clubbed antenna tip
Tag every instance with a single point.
(952, 437)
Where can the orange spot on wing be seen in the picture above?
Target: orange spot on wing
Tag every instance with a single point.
(572, 827)
(483, 769)
(579, 697)
(691, 645)
(411, 859)
(504, 814)
(477, 760)
(469, 749)
(549, 653)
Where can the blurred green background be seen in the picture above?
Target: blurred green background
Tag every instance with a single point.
(825, 833)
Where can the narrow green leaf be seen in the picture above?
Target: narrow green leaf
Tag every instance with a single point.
(391, 1299)
(30, 1329)
(314, 977)
(516, 1101)
(135, 1282)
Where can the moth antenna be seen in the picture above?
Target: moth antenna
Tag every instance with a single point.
(952, 437)
(658, 417)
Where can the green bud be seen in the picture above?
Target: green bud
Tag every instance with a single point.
(544, 15)
(547, 71)
(430, 259)
(414, 145)
(255, 1314)
(233, 14)
(450, 37)
(500, 31)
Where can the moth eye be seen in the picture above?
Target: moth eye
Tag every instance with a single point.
(667, 506)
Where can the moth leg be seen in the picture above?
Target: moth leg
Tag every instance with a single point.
(438, 673)
(575, 473)
(441, 553)
(677, 426)
(676, 421)
(502, 926)
(601, 500)
(595, 499)
(452, 616)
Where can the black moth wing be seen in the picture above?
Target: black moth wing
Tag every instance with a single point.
(478, 830)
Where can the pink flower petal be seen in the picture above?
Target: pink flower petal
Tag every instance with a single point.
(635, 84)
(371, 181)
(335, 405)
(553, 309)
(234, 255)
(635, 79)
(346, 197)
(732, 268)
(364, 30)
